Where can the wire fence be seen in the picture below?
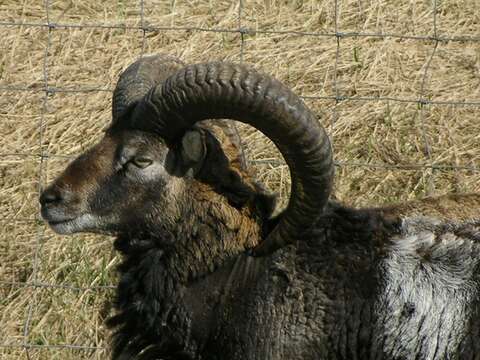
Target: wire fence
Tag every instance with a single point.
(48, 91)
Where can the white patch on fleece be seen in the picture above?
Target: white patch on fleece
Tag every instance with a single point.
(427, 290)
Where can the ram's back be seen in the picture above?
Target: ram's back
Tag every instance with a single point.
(408, 289)
(412, 291)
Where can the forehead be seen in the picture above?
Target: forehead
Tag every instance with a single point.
(133, 140)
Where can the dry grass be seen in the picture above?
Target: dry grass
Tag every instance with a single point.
(388, 133)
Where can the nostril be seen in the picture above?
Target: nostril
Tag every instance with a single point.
(50, 196)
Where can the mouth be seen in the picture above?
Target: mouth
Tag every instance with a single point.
(82, 223)
(54, 219)
(57, 217)
(58, 222)
(64, 226)
(62, 223)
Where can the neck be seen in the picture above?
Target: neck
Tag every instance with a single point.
(209, 233)
(159, 267)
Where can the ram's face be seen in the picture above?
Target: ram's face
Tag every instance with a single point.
(111, 187)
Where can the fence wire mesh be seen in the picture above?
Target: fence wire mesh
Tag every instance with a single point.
(48, 90)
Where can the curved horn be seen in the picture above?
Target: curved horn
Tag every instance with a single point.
(138, 79)
(224, 90)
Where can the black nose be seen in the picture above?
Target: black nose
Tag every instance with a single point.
(52, 195)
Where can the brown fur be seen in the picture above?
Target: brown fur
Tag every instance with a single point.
(211, 231)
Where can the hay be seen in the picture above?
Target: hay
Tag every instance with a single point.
(388, 133)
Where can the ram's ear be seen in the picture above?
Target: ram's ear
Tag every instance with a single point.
(199, 154)
(189, 155)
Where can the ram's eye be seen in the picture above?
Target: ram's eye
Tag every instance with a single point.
(141, 162)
